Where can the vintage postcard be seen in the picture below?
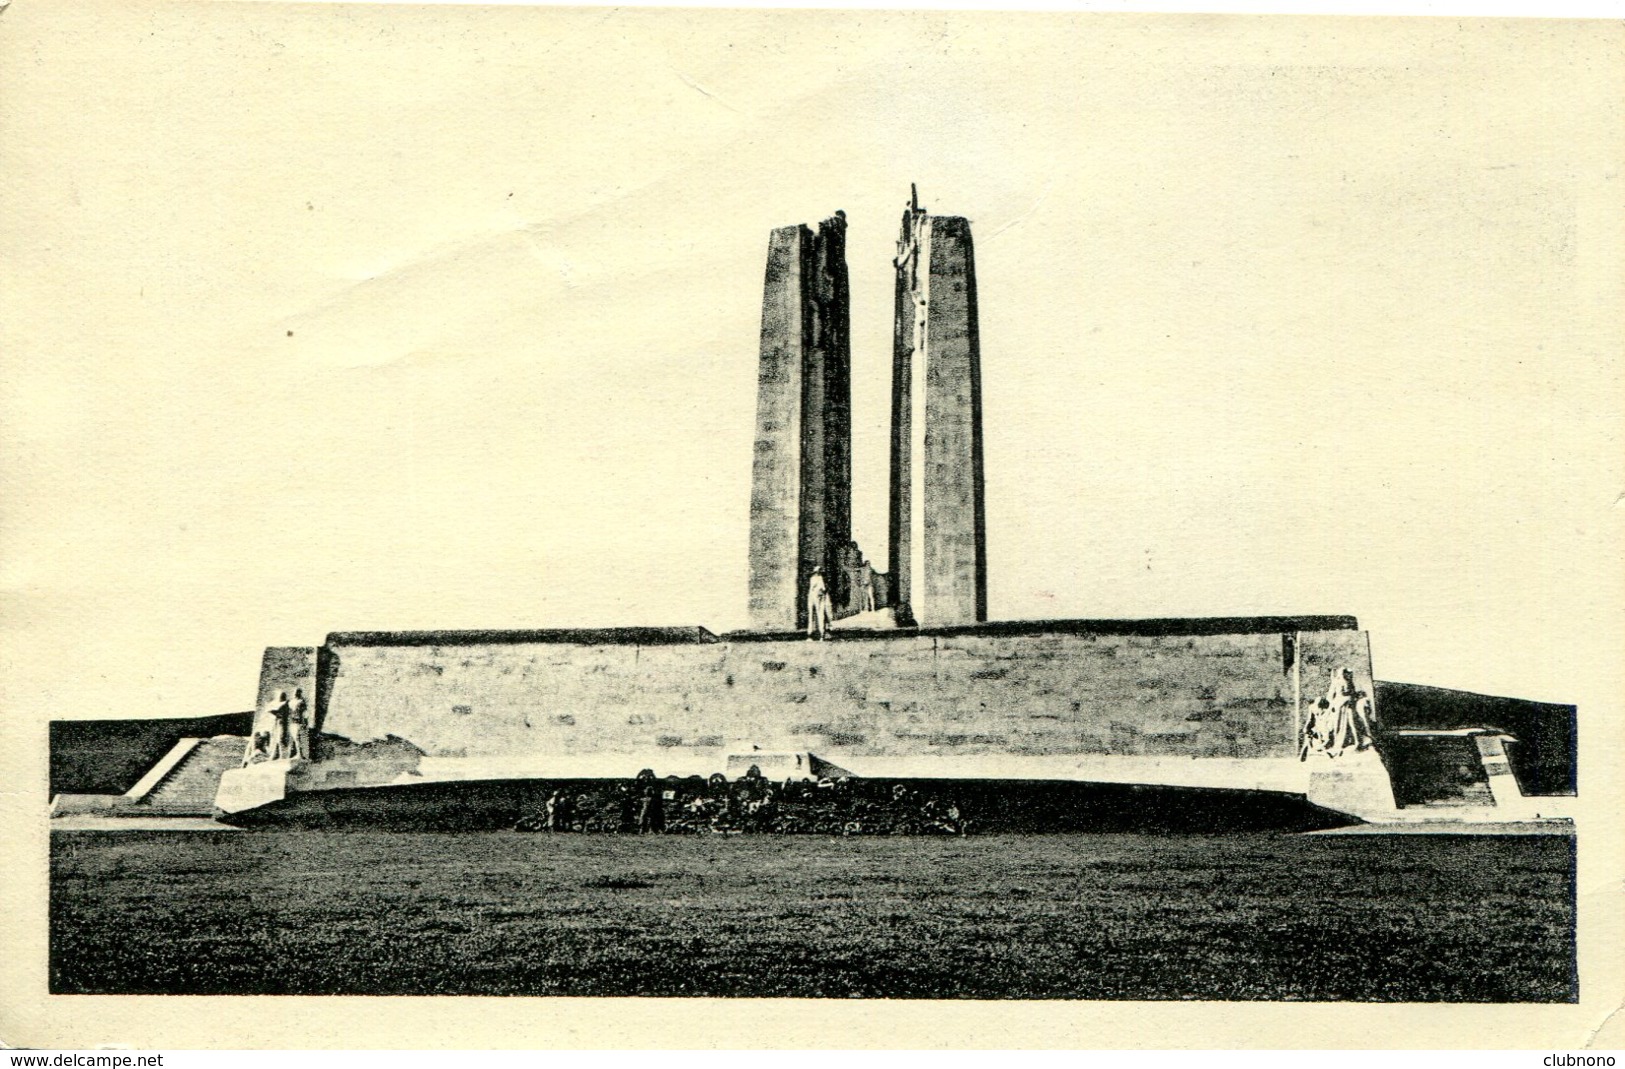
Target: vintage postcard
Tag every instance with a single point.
(632, 527)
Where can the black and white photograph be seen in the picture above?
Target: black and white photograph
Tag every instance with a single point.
(837, 507)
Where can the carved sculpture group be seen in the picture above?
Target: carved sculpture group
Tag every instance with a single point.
(282, 731)
(1339, 721)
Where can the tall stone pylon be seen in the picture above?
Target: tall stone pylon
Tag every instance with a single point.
(801, 474)
(938, 532)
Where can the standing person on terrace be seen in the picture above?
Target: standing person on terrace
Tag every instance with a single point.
(820, 612)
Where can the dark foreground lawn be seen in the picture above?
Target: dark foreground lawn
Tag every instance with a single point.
(1391, 918)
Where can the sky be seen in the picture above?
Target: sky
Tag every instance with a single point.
(335, 318)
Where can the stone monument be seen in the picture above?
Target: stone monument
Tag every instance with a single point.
(801, 474)
(938, 536)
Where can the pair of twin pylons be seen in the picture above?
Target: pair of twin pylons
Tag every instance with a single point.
(801, 477)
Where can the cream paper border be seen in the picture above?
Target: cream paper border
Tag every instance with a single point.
(29, 1017)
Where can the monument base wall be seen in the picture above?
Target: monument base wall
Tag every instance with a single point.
(1178, 708)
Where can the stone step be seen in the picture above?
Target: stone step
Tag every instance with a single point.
(188, 787)
(878, 620)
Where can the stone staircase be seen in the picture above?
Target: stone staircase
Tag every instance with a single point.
(185, 781)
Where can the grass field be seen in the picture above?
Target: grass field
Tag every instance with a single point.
(1417, 918)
